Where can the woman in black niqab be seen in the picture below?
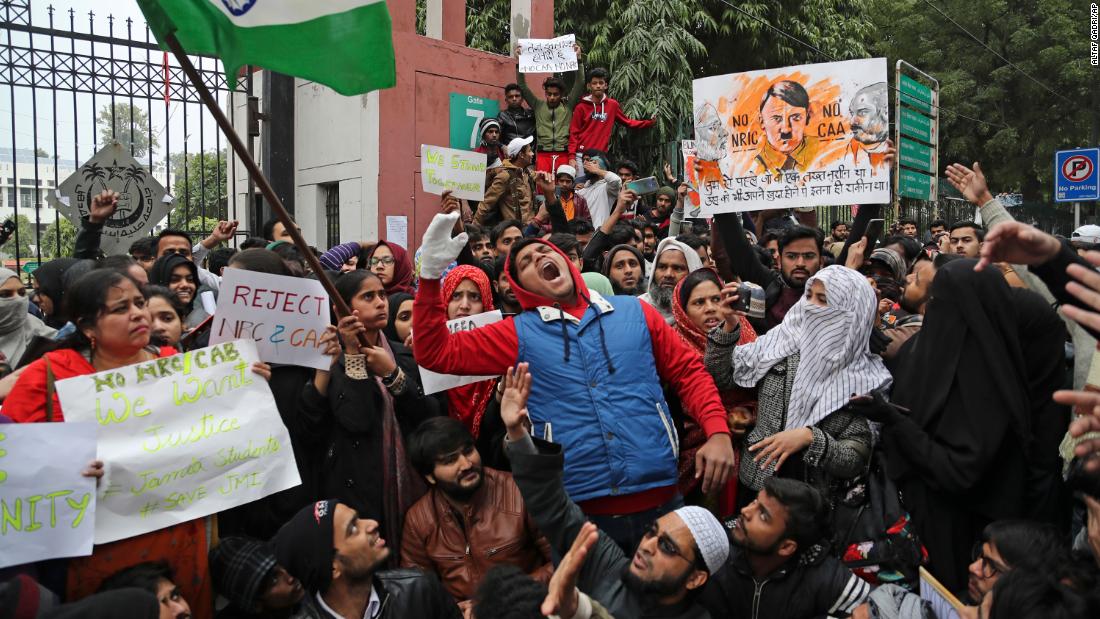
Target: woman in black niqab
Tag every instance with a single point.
(977, 379)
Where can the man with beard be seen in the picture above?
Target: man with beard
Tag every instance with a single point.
(470, 511)
(480, 243)
(777, 542)
(799, 249)
(663, 575)
(870, 128)
(593, 357)
(914, 300)
(338, 557)
(505, 298)
(673, 262)
(625, 267)
(489, 129)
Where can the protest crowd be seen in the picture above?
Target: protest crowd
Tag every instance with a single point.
(742, 416)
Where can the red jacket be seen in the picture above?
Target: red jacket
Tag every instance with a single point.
(27, 401)
(492, 349)
(592, 123)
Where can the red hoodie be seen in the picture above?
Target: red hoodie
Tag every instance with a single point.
(592, 123)
(492, 349)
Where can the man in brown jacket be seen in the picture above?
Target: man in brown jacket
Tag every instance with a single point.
(509, 188)
(472, 518)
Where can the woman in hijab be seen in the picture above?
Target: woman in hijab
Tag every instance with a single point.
(49, 289)
(976, 380)
(806, 370)
(181, 276)
(392, 265)
(17, 327)
(697, 308)
(399, 326)
(467, 292)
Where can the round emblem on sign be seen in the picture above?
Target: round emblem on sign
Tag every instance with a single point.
(1077, 168)
(239, 7)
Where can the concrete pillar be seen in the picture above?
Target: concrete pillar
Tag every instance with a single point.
(446, 20)
(531, 19)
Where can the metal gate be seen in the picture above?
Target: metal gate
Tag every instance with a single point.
(74, 83)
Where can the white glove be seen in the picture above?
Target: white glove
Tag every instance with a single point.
(438, 249)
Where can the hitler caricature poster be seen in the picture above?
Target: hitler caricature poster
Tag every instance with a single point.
(811, 135)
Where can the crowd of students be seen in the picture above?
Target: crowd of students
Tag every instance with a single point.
(738, 417)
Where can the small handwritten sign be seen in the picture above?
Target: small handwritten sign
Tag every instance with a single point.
(547, 55)
(47, 508)
(181, 437)
(285, 316)
(434, 382)
(460, 171)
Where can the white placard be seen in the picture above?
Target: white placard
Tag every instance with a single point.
(181, 437)
(781, 138)
(47, 508)
(461, 171)
(285, 316)
(434, 382)
(548, 55)
(397, 230)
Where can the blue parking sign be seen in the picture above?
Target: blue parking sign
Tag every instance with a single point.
(1075, 175)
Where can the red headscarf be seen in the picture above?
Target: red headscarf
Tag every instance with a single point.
(402, 268)
(468, 402)
(694, 437)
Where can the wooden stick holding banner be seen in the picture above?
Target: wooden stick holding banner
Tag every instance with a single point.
(254, 171)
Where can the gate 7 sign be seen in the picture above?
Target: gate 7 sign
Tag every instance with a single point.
(1075, 175)
(467, 111)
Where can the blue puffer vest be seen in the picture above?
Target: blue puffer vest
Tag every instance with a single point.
(596, 393)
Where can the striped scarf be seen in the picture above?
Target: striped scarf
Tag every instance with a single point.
(833, 344)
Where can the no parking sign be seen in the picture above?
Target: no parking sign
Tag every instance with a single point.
(1075, 175)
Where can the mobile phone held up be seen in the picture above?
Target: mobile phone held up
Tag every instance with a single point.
(874, 233)
(644, 186)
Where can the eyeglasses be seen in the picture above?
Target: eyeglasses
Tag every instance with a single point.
(990, 568)
(386, 260)
(807, 256)
(665, 543)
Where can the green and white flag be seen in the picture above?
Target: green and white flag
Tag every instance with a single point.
(346, 45)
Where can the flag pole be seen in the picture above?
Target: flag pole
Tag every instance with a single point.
(254, 171)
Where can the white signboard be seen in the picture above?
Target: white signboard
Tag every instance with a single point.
(461, 171)
(811, 135)
(547, 55)
(181, 437)
(434, 382)
(397, 230)
(285, 316)
(47, 508)
(142, 201)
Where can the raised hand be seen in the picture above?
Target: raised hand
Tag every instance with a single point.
(562, 598)
(1017, 243)
(438, 248)
(103, 206)
(1087, 290)
(730, 316)
(263, 370)
(970, 182)
(513, 402)
(221, 233)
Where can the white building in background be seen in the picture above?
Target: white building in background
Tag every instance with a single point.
(19, 191)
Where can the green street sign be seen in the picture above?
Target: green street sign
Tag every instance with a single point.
(916, 185)
(916, 155)
(29, 267)
(466, 113)
(916, 125)
(916, 95)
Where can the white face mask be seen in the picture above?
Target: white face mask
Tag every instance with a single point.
(13, 313)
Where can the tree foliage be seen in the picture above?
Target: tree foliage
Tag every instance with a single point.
(199, 190)
(136, 135)
(50, 247)
(1021, 122)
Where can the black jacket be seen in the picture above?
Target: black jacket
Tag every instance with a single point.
(516, 124)
(799, 590)
(351, 467)
(404, 594)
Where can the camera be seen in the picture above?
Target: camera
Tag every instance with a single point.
(750, 300)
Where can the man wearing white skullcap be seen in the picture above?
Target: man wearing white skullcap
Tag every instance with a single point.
(676, 557)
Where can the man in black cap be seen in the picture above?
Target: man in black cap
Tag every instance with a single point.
(337, 556)
(245, 572)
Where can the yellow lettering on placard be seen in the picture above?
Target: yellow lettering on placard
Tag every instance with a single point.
(207, 427)
(151, 479)
(21, 514)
